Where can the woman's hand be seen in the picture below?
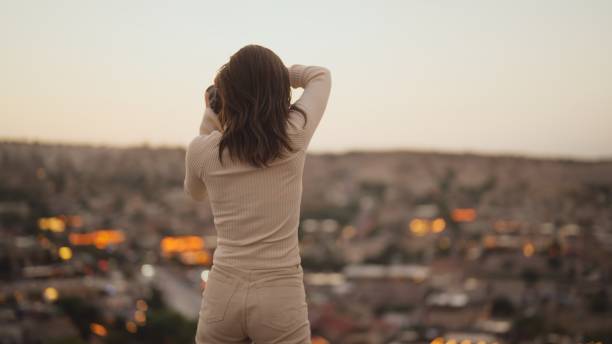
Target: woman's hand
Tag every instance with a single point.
(207, 97)
(210, 121)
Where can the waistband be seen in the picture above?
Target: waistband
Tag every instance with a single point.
(232, 272)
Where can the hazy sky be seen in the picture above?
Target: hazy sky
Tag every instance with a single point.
(531, 77)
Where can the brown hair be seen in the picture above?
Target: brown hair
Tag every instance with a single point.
(255, 93)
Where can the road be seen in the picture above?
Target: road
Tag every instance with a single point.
(180, 293)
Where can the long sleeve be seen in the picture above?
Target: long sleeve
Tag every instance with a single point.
(316, 82)
(193, 184)
(210, 122)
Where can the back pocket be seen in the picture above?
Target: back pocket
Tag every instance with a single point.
(216, 297)
(282, 306)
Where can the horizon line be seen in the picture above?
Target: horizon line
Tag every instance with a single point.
(446, 151)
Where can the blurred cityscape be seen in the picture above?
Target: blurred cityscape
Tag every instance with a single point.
(101, 245)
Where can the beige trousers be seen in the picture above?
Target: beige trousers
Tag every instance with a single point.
(258, 306)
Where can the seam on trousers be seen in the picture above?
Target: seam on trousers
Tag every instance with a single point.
(244, 308)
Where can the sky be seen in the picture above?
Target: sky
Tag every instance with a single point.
(510, 77)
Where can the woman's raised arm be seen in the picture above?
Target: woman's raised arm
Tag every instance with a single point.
(316, 82)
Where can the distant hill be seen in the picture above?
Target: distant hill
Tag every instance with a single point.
(62, 177)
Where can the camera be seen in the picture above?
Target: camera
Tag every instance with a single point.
(213, 98)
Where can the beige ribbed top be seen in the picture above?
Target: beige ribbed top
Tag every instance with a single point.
(256, 210)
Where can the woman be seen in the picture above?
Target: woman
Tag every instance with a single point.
(248, 162)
